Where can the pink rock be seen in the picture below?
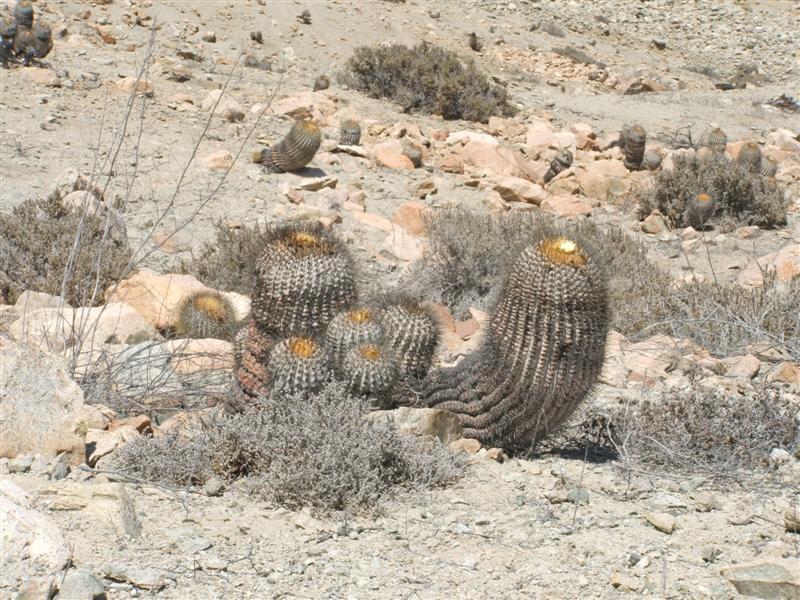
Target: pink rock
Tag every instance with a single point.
(516, 189)
(567, 206)
(498, 160)
(141, 86)
(443, 315)
(608, 168)
(393, 160)
(785, 261)
(409, 217)
(653, 223)
(402, 245)
(745, 367)
(786, 372)
(462, 137)
(318, 105)
(217, 161)
(585, 137)
(465, 445)
(785, 140)
(99, 443)
(200, 355)
(373, 220)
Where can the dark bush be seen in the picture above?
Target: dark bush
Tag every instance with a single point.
(229, 262)
(319, 452)
(37, 240)
(426, 79)
(577, 56)
(748, 198)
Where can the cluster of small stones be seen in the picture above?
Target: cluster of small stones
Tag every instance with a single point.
(21, 38)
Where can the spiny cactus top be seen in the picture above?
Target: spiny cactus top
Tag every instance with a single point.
(304, 277)
(699, 209)
(294, 151)
(351, 328)
(368, 370)
(206, 314)
(542, 353)
(560, 163)
(349, 133)
(717, 141)
(298, 365)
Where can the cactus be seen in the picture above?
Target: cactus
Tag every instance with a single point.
(369, 370)
(542, 352)
(206, 314)
(44, 40)
(717, 141)
(351, 328)
(294, 151)
(412, 331)
(8, 29)
(560, 163)
(349, 133)
(251, 351)
(298, 365)
(634, 142)
(23, 13)
(303, 279)
(652, 160)
(322, 82)
(414, 154)
(749, 157)
(699, 209)
(474, 42)
(769, 167)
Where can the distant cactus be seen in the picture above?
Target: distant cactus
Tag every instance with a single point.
(749, 157)
(44, 40)
(699, 209)
(560, 163)
(206, 314)
(412, 331)
(769, 167)
(542, 352)
(355, 327)
(251, 351)
(322, 82)
(349, 133)
(652, 160)
(294, 151)
(369, 370)
(633, 145)
(474, 42)
(298, 365)
(23, 13)
(8, 29)
(414, 154)
(304, 277)
(717, 141)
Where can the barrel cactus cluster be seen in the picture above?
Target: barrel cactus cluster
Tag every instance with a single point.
(539, 358)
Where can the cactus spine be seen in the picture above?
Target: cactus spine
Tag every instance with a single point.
(350, 133)
(298, 365)
(560, 163)
(206, 314)
(294, 151)
(412, 331)
(635, 139)
(303, 279)
(699, 209)
(369, 370)
(542, 353)
(351, 328)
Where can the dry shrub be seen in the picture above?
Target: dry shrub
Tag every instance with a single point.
(170, 459)
(317, 451)
(577, 56)
(748, 198)
(229, 262)
(426, 79)
(707, 428)
(36, 241)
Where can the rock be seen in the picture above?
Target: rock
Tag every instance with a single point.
(516, 189)
(465, 445)
(373, 220)
(498, 160)
(214, 487)
(786, 263)
(464, 136)
(402, 245)
(425, 188)
(226, 106)
(140, 423)
(141, 577)
(785, 372)
(318, 105)
(314, 184)
(778, 457)
(155, 297)
(221, 160)
(54, 330)
(28, 301)
(41, 407)
(497, 455)
(30, 541)
(775, 579)
(664, 522)
(567, 206)
(81, 585)
(791, 519)
(134, 85)
(785, 140)
(409, 217)
(200, 355)
(421, 422)
(100, 443)
(744, 367)
(209, 36)
(21, 464)
(578, 496)
(43, 77)
(706, 502)
(393, 160)
(654, 224)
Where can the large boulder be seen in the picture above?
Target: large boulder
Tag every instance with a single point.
(41, 407)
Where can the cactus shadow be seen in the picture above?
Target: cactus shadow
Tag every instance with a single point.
(310, 172)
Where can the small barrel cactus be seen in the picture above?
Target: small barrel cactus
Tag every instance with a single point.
(749, 157)
(206, 314)
(351, 328)
(322, 82)
(717, 141)
(414, 154)
(350, 133)
(699, 209)
(652, 160)
(23, 13)
(635, 139)
(294, 151)
(369, 370)
(542, 352)
(298, 365)
(560, 163)
(304, 277)
(769, 167)
(412, 331)
(44, 40)
(8, 29)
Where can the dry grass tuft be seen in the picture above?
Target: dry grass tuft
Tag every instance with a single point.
(426, 79)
